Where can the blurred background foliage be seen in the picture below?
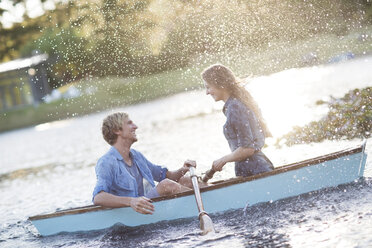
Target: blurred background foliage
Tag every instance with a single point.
(348, 117)
(143, 37)
(118, 52)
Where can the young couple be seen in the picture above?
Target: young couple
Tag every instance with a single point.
(126, 178)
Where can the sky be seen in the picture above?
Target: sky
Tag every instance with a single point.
(15, 13)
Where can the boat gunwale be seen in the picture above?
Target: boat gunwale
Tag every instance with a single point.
(217, 184)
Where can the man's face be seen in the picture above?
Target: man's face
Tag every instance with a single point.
(128, 131)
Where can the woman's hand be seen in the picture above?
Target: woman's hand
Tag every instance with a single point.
(218, 164)
(240, 154)
(142, 205)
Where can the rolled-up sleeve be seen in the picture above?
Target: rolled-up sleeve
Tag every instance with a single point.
(158, 172)
(239, 119)
(104, 177)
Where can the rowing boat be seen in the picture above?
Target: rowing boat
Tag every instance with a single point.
(329, 170)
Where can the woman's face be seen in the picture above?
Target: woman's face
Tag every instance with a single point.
(217, 93)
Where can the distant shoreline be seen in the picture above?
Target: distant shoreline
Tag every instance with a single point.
(99, 94)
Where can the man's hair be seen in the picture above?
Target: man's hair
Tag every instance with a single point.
(111, 124)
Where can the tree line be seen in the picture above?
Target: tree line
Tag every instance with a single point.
(141, 37)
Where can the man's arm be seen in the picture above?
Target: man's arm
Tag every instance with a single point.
(141, 205)
(177, 174)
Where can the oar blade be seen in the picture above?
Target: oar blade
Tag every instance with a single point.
(206, 224)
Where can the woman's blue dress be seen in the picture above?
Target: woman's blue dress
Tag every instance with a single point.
(242, 129)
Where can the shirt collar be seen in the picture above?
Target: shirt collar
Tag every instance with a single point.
(227, 103)
(115, 153)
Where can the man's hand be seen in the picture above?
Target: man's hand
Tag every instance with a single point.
(142, 205)
(186, 166)
(218, 164)
(189, 163)
(177, 174)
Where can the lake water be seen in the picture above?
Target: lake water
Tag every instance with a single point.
(51, 166)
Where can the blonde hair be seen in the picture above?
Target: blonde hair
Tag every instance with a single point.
(111, 124)
(222, 77)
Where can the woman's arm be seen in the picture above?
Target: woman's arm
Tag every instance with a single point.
(240, 154)
(239, 119)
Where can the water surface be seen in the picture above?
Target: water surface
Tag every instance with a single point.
(51, 166)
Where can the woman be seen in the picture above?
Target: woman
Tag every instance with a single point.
(245, 128)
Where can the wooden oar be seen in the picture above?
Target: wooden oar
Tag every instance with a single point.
(206, 224)
(208, 175)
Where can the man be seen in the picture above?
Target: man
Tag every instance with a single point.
(125, 177)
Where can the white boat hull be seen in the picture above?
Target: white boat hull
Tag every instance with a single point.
(231, 194)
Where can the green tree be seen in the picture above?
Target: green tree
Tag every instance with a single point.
(121, 37)
(112, 28)
(12, 39)
(70, 60)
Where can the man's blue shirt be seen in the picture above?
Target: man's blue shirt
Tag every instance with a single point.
(114, 178)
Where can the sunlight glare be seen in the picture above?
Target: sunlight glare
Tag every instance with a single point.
(282, 97)
(53, 124)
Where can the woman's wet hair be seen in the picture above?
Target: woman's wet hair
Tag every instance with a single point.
(222, 77)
